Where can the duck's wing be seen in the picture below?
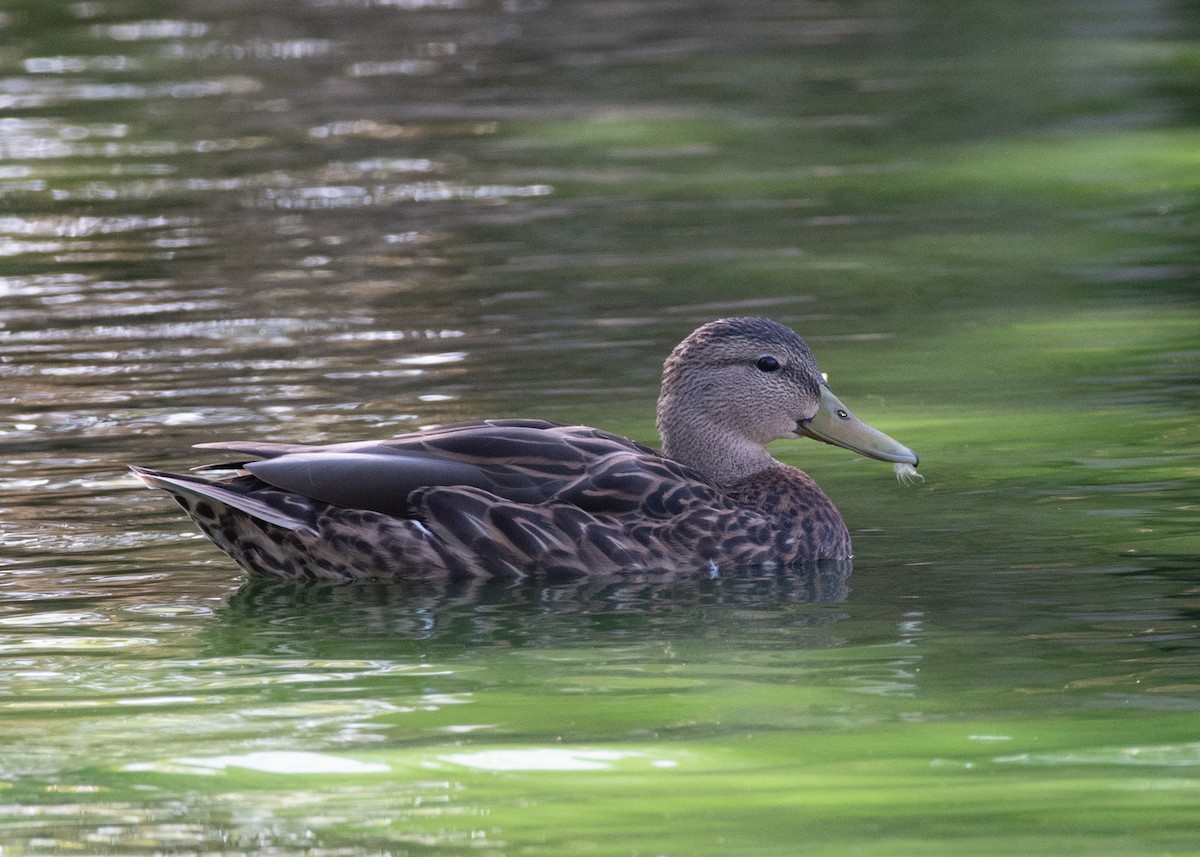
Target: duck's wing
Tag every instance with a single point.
(519, 461)
(628, 511)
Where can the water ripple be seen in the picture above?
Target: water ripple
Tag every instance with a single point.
(40, 93)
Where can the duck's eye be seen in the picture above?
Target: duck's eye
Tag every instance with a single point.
(767, 363)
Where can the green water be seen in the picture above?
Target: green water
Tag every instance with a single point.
(336, 220)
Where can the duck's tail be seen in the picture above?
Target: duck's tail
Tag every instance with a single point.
(197, 496)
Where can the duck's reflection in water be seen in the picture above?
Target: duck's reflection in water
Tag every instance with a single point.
(380, 616)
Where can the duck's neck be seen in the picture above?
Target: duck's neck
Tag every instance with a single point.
(715, 451)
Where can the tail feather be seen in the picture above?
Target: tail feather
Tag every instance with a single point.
(192, 489)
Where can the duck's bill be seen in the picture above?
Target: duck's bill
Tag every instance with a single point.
(835, 424)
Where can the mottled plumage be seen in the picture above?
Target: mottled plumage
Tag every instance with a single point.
(534, 498)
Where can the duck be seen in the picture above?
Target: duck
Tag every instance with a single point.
(533, 499)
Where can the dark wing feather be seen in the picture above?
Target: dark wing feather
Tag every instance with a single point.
(261, 450)
(519, 461)
(366, 480)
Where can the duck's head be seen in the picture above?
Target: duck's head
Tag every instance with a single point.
(738, 383)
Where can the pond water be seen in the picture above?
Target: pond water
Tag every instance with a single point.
(319, 220)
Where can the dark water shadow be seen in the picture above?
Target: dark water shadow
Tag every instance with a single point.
(376, 616)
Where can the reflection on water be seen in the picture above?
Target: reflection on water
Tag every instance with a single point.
(499, 613)
(339, 219)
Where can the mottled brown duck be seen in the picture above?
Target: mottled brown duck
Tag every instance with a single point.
(523, 498)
